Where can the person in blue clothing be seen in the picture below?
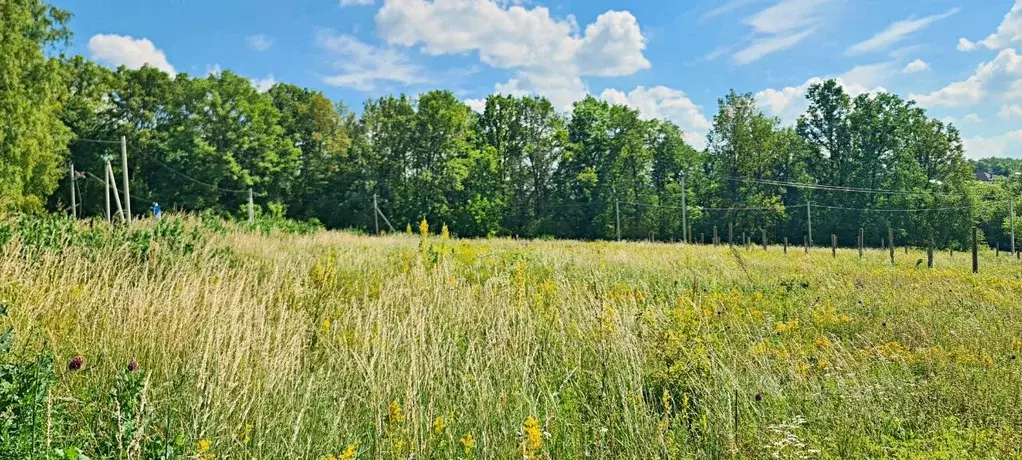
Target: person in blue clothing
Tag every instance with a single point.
(156, 211)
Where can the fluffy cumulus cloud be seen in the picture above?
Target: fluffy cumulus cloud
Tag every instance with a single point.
(1009, 32)
(790, 102)
(665, 103)
(264, 84)
(362, 66)
(548, 55)
(1008, 144)
(133, 53)
(973, 118)
(897, 32)
(917, 65)
(780, 26)
(1007, 65)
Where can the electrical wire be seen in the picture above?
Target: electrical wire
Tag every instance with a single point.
(225, 190)
(835, 188)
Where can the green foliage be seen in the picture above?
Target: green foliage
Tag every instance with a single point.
(32, 138)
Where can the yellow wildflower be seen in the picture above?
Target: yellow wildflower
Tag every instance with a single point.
(395, 416)
(822, 343)
(468, 444)
(424, 228)
(445, 234)
(349, 453)
(203, 452)
(324, 328)
(532, 440)
(439, 424)
(783, 328)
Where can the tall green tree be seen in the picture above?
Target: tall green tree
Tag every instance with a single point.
(33, 140)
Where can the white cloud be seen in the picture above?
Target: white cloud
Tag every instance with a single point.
(663, 103)
(790, 102)
(781, 26)
(727, 7)
(975, 88)
(264, 84)
(897, 32)
(356, 2)
(917, 65)
(515, 37)
(766, 46)
(213, 69)
(948, 120)
(259, 42)
(478, 105)
(1008, 33)
(548, 55)
(118, 50)
(1010, 111)
(362, 65)
(973, 118)
(1005, 144)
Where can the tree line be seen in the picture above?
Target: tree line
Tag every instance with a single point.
(520, 167)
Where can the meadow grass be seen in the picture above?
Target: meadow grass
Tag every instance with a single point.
(333, 345)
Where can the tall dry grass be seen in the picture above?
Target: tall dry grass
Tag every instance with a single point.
(301, 346)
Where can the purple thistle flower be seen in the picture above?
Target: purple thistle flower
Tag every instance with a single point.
(132, 366)
(75, 364)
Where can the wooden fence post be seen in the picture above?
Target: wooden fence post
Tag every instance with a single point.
(715, 240)
(929, 254)
(785, 245)
(764, 240)
(730, 234)
(833, 245)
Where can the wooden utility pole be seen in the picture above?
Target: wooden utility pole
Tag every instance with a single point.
(117, 197)
(730, 234)
(975, 250)
(809, 221)
(890, 239)
(124, 173)
(617, 218)
(685, 232)
(860, 242)
(376, 216)
(106, 179)
(74, 201)
(251, 207)
(1012, 195)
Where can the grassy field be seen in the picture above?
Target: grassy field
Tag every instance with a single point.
(252, 344)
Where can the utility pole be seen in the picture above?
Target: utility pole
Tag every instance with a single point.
(251, 207)
(113, 183)
(1012, 221)
(376, 215)
(809, 222)
(106, 179)
(617, 217)
(684, 210)
(74, 201)
(124, 164)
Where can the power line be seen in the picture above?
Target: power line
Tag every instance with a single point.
(97, 141)
(956, 208)
(214, 187)
(835, 188)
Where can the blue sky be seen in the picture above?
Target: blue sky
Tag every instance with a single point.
(668, 58)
